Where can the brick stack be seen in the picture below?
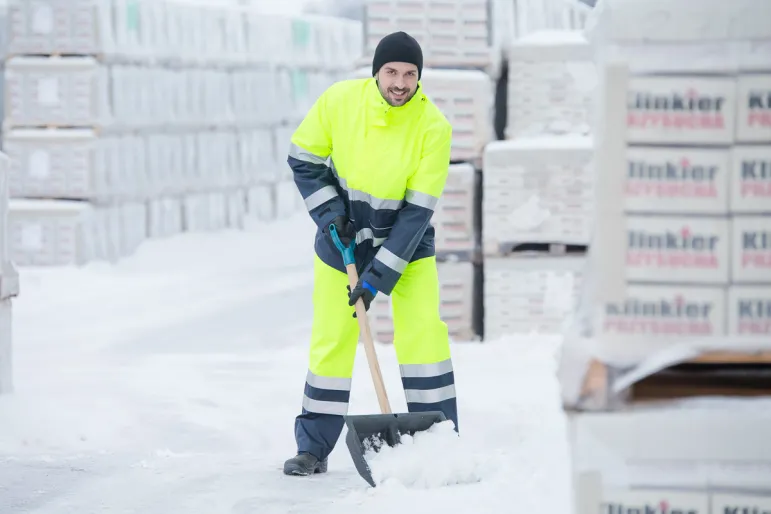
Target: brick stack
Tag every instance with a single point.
(129, 120)
(538, 187)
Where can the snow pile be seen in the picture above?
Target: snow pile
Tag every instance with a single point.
(434, 458)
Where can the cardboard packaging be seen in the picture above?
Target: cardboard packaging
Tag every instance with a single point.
(749, 310)
(751, 250)
(677, 249)
(750, 179)
(677, 180)
(753, 123)
(681, 110)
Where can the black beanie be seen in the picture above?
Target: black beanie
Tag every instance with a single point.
(397, 47)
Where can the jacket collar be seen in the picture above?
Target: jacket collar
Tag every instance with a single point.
(382, 114)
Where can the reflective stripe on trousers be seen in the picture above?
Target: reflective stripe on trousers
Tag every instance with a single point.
(326, 395)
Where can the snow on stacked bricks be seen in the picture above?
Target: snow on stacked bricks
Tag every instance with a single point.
(530, 293)
(536, 223)
(455, 216)
(452, 33)
(551, 83)
(537, 190)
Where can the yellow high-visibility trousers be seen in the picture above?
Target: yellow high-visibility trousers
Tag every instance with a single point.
(421, 342)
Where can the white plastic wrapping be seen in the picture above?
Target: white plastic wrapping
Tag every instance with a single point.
(454, 215)
(551, 84)
(174, 114)
(709, 36)
(288, 200)
(79, 164)
(452, 34)
(71, 233)
(56, 26)
(191, 33)
(537, 190)
(164, 217)
(51, 232)
(204, 212)
(236, 208)
(526, 294)
(260, 203)
(43, 91)
(57, 164)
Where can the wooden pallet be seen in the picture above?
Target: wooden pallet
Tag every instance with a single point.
(527, 249)
(724, 373)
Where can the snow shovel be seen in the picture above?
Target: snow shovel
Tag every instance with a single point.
(370, 431)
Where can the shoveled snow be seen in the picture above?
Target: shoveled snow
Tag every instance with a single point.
(169, 382)
(434, 458)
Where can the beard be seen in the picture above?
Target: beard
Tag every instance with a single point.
(396, 97)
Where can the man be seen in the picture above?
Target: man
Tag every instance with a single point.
(371, 157)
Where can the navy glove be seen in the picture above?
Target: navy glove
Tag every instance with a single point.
(345, 230)
(363, 290)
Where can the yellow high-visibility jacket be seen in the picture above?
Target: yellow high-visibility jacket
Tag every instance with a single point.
(384, 167)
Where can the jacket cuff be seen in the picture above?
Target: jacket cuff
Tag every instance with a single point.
(372, 289)
(382, 284)
(332, 211)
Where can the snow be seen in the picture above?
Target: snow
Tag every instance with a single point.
(452, 461)
(169, 382)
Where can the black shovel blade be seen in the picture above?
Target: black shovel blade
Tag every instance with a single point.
(371, 431)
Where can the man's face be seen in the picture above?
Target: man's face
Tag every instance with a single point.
(398, 82)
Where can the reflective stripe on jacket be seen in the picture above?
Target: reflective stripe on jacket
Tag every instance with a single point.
(384, 167)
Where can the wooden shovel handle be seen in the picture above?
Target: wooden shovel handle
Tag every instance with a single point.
(369, 345)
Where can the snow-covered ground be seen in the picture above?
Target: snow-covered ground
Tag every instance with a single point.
(169, 383)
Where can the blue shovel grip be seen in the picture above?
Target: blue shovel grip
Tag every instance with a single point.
(347, 252)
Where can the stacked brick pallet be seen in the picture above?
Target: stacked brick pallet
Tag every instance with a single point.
(129, 120)
(458, 59)
(673, 333)
(680, 256)
(538, 187)
(454, 34)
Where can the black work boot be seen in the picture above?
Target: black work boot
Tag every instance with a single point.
(304, 464)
